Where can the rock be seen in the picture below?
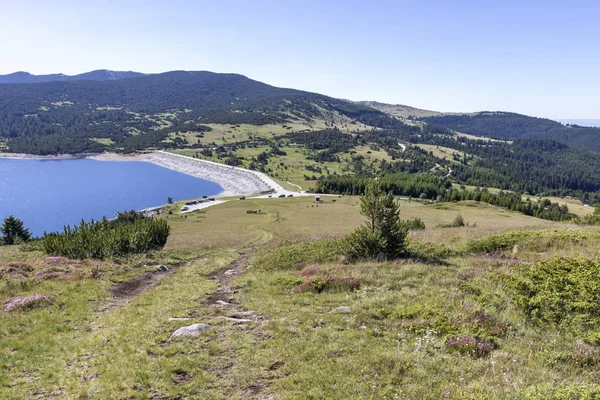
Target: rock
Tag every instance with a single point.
(191, 330)
(179, 319)
(230, 272)
(243, 313)
(341, 308)
(223, 303)
(237, 320)
(161, 268)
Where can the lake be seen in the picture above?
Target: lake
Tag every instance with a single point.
(48, 194)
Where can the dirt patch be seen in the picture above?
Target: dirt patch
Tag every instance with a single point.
(224, 276)
(137, 285)
(123, 291)
(181, 377)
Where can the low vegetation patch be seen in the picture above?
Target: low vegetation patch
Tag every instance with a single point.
(562, 292)
(26, 302)
(296, 255)
(106, 239)
(415, 224)
(321, 283)
(468, 345)
(534, 240)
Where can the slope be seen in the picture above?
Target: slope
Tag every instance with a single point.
(137, 113)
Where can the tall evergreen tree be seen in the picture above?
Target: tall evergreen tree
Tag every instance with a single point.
(13, 231)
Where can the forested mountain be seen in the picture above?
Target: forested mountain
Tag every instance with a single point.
(97, 75)
(511, 126)
(139, 112)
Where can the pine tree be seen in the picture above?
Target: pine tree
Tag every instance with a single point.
(13, 231)
(383, 232)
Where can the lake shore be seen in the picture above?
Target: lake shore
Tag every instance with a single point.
(235, 181)
(23, 156)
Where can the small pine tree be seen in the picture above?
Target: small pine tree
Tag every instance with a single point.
(13, 231)
(458, 221)
(383, 232)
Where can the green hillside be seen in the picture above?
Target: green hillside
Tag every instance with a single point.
(140, 112)
(511, 126)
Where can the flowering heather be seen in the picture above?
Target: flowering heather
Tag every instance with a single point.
(483, 321)
(469, 345)
(309, 272)
(584, 356)
(55, 260)
(53, 272)
(27, 302)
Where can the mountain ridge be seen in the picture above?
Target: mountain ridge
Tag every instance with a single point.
(95, 75)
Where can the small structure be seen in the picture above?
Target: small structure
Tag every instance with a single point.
(317, 198)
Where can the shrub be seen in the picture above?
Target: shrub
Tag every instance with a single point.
(105, 239)
(457, 222)
(560, 291)
(412, 224)
(469, 345)
(583, 356)
(535, 240)
(290, 254)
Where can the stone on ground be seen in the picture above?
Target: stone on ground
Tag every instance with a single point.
(191, 330)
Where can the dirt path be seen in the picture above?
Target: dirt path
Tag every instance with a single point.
(244, 321)
(223, 295)
(122, 292)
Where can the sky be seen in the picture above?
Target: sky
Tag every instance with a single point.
(534, 57)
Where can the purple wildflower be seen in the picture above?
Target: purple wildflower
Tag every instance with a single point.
(466, 344)
(25, 302)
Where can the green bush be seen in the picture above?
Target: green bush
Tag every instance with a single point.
(106, 239)
(457, 222)
(534, 240)
(561, 292)
(288, 255)
(412, 224)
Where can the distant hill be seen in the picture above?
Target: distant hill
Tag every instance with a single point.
(581, 122)
(399, 110)
(84, 115)
(512, 126)
(97, 75)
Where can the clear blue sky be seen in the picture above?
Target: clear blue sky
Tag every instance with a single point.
(535, 57)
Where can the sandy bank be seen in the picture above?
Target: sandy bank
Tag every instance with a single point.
(48, 157)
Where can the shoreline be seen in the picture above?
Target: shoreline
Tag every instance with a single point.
(235, 181)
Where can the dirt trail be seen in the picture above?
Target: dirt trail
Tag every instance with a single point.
(224, 293)
(223, 302)
(124, 291)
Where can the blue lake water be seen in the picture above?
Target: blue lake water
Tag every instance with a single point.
(48, 194)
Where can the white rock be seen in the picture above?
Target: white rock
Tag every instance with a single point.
(243, 313)
(179, 319)
(342, 308)
(237, 320)
(191, 330)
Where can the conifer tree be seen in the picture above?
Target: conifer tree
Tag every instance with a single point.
(13, 231)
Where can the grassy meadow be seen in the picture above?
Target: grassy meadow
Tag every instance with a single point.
(470, 312)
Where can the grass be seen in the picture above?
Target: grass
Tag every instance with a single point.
(394, 341)
(445, 153)
(105, 141)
